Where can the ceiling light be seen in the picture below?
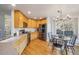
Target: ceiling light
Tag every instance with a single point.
(35, 17)
(13, 5)
(29, 12)
(40, 17)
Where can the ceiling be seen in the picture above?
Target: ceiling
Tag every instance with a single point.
(45, 10)
(5, 8)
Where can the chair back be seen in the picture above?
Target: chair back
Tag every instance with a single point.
(49, 36)
(73, 40)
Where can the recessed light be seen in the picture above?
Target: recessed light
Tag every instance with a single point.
(40, 17)
(35, 17)
(13, 5)
(29, 12)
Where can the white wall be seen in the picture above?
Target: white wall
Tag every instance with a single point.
(78, 27)
(50, 27)
(77, 41)
(12, 22)
(75, 25)
(53, 25)
(1, 27)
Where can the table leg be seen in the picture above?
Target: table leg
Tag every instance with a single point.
(66, 47)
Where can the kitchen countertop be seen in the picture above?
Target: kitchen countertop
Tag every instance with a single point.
(13, 45)
(11, 39)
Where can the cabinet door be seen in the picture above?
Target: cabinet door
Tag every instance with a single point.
(21, 18)
(32, 23)
(43, 21)
(29, 23)
(40, 22)
(16, 19)
(34, 35)
(24, 25)
(37, 23)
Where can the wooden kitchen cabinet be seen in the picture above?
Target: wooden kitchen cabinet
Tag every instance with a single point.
(36, 23)
(16, 19)
(34, 35)
(19, 19)
(20, 44)
(40, 22)
(32, 23)
(44, 21)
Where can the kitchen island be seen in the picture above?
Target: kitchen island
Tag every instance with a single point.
(14, 45)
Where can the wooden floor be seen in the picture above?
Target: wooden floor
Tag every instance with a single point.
(37, 47)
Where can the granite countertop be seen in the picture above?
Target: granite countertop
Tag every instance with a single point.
(9, 39)
(14, 38)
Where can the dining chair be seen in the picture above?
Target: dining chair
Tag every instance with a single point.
(49, 37)
(71, 44)
(50, 40)
(58, 42)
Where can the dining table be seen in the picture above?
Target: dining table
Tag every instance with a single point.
(65, 40)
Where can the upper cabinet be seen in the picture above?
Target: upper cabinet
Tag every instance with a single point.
(20, 20)
(43, 21)
(16, 19)
(40, 22)
(32, 23)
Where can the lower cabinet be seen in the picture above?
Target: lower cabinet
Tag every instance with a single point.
(21, 44)
(34, 35)
(21, 47)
